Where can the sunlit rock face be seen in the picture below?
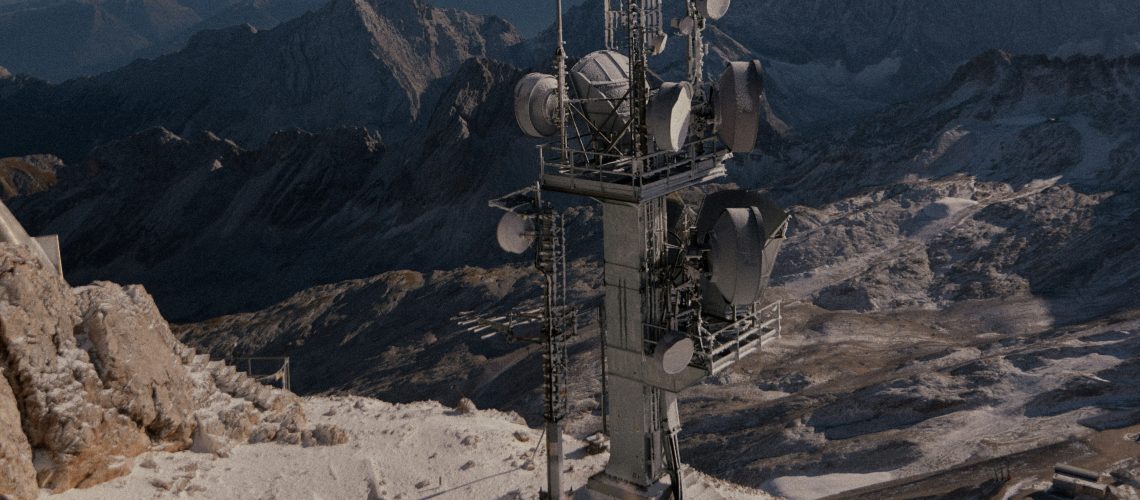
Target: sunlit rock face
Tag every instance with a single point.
(92, 377)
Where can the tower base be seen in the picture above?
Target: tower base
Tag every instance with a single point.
(602, 486)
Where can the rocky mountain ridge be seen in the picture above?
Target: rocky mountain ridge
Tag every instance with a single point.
(212, 228)
(377, 64)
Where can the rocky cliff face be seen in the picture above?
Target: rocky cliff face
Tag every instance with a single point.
(350, 63)
(92, 377)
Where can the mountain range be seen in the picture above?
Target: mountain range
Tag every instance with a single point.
(833, 62)
(61, 39)
(352, 63)
(210, 227)
(428, 91)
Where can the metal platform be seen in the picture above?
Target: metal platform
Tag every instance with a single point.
(729, 342)
(621, 178)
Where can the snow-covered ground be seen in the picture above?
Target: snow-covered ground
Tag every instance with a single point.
(418, 450)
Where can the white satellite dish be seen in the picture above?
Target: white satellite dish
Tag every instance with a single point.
(669, 114)
(536, 104)
(713, 9)
(674, 352)
(603, 78)
(685, 26)
(515, 233)
(737, 100)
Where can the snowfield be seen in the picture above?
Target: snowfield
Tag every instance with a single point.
(395, 451)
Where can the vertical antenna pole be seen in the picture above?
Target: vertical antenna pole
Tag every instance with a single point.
(560, 62)
(696, 49)
(609, 25)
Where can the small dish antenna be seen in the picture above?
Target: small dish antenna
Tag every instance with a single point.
(674, 352)
(536, 104)
(515, 232)
(713, 9)
(669, 114)
(737, 99)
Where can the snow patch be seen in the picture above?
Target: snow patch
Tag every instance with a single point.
(794, 487)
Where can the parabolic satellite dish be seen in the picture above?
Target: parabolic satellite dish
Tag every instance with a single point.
(669, 113)
(737, 100)
(515, 233)
(536, 104)
(603, 77)
(713, 9)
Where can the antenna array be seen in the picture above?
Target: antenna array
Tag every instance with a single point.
(683, 289)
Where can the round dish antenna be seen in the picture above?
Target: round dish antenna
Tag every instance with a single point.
(536, 104)
(737, 100)
(603, 77)
(669, 114)
(713, 9)
(515, 233)
(674, 352)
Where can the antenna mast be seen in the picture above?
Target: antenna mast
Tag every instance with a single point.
(680, 305)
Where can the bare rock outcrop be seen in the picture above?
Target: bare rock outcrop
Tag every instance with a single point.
(134, 357)
(93, 377)
(79, 436)
(22, 175)
(17, 476)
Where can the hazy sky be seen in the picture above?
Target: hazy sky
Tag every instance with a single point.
(529, 16)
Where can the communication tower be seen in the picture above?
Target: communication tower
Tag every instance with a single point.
(683, 287)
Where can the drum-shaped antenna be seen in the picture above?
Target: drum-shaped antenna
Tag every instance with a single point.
(603, 77)
(736, 251)
(515, 232)
(674, 352)
(737, 100)
(669, 114)
(713, 9)
(536, 104)
(743, 243)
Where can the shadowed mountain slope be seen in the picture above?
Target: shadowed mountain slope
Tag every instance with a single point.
(351, 63)
(210, 227)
